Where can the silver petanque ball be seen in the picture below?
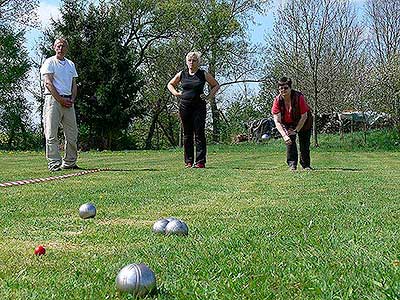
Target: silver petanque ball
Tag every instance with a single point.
(265, 136)
(159, 226)
(176, 227)
(137, 279)
(87, 210)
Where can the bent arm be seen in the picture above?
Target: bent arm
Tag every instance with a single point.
(213, 84)
(48, 82)
(173, 83)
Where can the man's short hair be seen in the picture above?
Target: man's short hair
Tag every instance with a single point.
(285, 81)
(61, 39)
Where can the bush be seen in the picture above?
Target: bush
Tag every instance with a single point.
(382, 139)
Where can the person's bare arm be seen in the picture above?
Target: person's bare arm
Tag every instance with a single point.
(214, 85)
(302, 120)
(74, 90)
(281, 129)
(173, 83)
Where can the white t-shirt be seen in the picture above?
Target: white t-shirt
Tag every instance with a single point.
(63, 71)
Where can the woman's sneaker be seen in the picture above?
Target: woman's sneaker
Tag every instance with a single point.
(199, 166)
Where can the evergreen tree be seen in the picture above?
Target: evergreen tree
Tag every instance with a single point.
(108, 81)
(14, 110)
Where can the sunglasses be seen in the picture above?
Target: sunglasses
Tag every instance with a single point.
(284, 87)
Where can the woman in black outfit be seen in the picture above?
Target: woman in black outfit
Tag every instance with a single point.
(192, 108)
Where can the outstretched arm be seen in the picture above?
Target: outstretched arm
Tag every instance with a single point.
(281, 129)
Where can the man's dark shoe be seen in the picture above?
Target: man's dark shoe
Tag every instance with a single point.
(74, 167)
(55, 169)
(188, 165)
(307, 169)
(292, 168)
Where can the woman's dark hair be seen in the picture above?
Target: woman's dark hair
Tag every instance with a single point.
(285, 81)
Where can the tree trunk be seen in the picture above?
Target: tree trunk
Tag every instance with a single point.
(216, 122)
(315, 115)
(150, 134)
(167, 133)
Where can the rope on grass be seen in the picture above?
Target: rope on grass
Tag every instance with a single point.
(36, 180)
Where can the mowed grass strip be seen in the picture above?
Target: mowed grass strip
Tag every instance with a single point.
(256, 230)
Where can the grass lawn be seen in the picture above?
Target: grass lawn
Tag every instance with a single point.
(256, 230)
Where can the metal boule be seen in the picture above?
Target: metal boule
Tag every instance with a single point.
(87, 210)
(176, 227)
(159, 226)
(137, 279)
(265, 136)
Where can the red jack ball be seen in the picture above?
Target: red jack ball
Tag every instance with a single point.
(40, 250)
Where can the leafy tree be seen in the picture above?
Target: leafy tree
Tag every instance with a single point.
(220, 33)
(317, 43)
(15, 16)
(384, 22)
(19, 13)
(215, 28)
(14, 110)
(162, 106)
(153, 30)
(113, 45)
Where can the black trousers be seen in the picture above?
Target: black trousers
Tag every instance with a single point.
(304, 143)
(193, 116)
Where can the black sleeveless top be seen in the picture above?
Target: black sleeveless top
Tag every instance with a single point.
(192, 85)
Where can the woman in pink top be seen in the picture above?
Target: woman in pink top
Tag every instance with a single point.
(293, 118)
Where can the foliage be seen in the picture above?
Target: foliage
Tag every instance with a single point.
(14, 62)
(372, 140)
(255, 232)
(18, 13)
(219, 32)
(14, 109)
(108, 79)
(383, 18)
(239, 114)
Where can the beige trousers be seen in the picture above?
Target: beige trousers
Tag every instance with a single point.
(54, 115)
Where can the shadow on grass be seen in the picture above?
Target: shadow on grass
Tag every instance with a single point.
(119, 170)
(132, 170)
(339, 169)
(313, 170)
(258, 169)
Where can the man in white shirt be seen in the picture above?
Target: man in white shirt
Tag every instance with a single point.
(60, 94)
